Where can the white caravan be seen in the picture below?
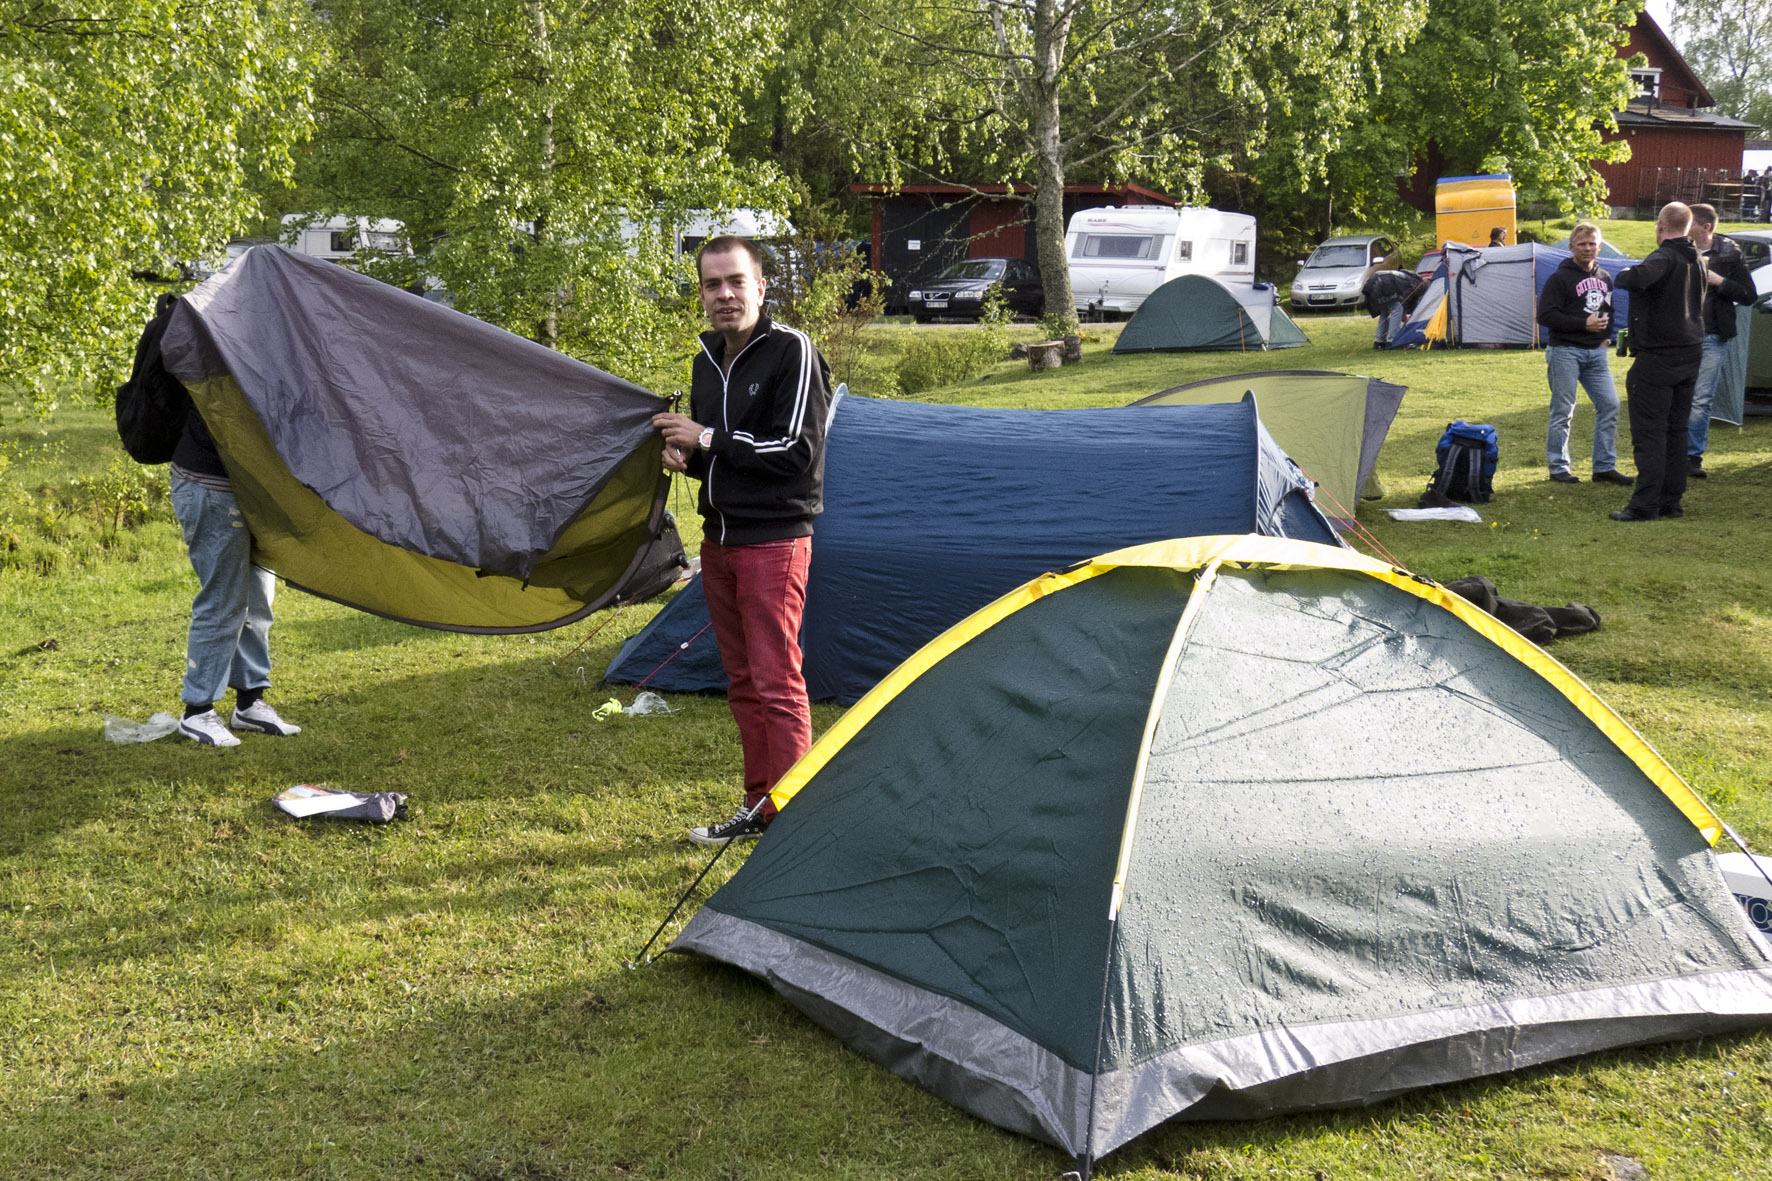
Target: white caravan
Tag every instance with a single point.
(339, 238)
(1119, 256)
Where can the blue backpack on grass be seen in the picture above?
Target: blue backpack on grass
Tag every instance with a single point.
(1467, 456)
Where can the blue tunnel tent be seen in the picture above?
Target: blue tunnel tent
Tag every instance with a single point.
(933, 511)
(1225, 827)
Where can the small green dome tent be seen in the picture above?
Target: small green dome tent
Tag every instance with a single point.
(1198, 313)
(1228, 826)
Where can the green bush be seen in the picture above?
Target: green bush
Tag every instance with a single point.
(940, 357)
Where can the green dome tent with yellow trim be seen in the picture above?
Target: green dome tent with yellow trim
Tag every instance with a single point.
(1229, 826)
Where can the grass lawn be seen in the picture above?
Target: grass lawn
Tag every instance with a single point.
(199, 987)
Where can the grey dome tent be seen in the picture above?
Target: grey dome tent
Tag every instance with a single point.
(402, 458)
(1330, 424)
(1226, 827)
(1199, 313)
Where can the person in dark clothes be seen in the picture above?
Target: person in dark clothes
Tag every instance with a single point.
(1387, 297)
(229, 642)
(1722, 256)
(1576, 310)
(1666, 334)
(1498, 236)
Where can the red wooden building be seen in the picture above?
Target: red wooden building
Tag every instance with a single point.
(1680, 149)
(920, 229)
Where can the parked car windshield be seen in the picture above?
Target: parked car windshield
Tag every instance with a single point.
(1345, 254)
(975, 268)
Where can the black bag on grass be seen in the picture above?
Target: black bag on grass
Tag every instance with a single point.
(152, 405)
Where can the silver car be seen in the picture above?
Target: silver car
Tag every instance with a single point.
(1334, 273)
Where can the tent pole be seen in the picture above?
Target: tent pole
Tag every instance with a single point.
(640, 957)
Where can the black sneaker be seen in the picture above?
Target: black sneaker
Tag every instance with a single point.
(1565, 477)
(742, 827)
(1613, 476)
(1695, 469)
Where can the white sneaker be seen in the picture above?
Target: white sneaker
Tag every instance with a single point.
(260, 718)
(207, 728)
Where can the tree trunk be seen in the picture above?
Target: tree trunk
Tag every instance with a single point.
(548, 331)
(1043, 86)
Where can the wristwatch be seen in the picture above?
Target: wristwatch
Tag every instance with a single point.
(707, 438)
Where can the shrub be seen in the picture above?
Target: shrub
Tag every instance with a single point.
(941, 358)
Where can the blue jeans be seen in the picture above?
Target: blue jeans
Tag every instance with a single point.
(1710, 371)
(1388, 323)
(229, 644)
(1567, 367)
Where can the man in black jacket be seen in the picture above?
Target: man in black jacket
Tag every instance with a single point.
(1666, 334)
(1576, 311)
(1387, 297)
(1722, 256)
(754, 437)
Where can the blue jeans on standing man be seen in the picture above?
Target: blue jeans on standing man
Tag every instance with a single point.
(1568, 366)
(229, 645)
(1388, 323)
(1710, 372)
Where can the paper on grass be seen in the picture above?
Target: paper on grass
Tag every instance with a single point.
(1460, 513)
(304, 799)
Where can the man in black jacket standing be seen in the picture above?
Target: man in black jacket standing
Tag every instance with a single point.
(1576, 311)
(1666, 333)
(754, 437)
(1723, 257)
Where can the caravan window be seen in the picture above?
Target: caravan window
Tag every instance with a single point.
(1239, 254)
(1184, 251)
(1118, 246)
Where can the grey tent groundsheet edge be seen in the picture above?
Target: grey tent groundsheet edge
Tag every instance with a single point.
(981, 1066)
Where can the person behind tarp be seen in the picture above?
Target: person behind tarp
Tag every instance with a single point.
(754, 437)
(1387, 297)
(1666, 335)
(1719, 255)
(229, 643)
(1576, 311)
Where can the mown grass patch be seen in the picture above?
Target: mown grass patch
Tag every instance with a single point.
(199, 987)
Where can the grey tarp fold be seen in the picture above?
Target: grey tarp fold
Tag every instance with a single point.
(469, 478)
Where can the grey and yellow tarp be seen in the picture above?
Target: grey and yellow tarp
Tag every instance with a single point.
(1230, 826)
(402, 458)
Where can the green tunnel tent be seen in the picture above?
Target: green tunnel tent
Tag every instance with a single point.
(1331, 424)
(404, 459)
(1230, 826)
(1197, 313)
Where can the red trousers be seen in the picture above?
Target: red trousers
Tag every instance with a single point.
(756, 594)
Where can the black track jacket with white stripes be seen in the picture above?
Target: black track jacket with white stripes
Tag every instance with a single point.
(762, 478)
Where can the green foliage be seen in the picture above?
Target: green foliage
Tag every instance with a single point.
(62, 508)
(1522, 88)
(539, 154)
(1729, 44)
(132, 135)
(938, 357)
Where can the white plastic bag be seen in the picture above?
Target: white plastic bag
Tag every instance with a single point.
(647, 702)
(124, 730)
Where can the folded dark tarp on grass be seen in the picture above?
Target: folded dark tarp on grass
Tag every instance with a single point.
(1538, 624)
(405, 459)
